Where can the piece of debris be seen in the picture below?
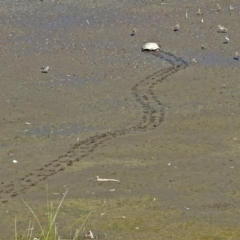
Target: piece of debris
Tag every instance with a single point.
(193, 60)
(176, 28)
(15, 161)
(28, 123)
(231, 8)
(44, 69)
(89, 235)
(236, 56)
(150, 46)
(218, 8)
(106, 179)
(199, 12)
(222, 29)
(226, 39)
(133, 33)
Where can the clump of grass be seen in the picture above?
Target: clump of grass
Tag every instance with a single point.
(49, 230)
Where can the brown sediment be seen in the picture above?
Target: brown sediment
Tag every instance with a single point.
(106, 109)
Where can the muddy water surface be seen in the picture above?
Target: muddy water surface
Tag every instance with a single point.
(168, 130)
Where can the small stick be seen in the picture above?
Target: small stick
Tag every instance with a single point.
(106, 179)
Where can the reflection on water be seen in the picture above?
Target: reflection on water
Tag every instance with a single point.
(64, 129)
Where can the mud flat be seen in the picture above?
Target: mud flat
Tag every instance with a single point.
(166, 128)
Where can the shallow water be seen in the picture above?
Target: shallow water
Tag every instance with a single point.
(212, 58)
(216, 59)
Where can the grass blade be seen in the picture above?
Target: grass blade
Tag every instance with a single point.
(42, 232)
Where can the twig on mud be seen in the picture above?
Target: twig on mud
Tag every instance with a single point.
(106, 179)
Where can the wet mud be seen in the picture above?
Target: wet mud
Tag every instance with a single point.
(165, 127)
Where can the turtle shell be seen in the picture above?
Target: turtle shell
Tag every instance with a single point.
(150, 46)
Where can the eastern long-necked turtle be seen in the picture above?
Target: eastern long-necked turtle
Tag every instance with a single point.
(150, 46)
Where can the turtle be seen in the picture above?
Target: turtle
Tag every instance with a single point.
(150, 46)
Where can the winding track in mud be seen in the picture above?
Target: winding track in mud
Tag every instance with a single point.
(153, 116)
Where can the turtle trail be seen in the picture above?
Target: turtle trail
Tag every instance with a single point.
(152, 117)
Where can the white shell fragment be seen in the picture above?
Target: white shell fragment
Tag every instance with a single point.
(44, 69)
(15, 161)
(150, 46)
(106, 179)
(222, 29)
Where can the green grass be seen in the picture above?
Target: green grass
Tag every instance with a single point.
(48, 231)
